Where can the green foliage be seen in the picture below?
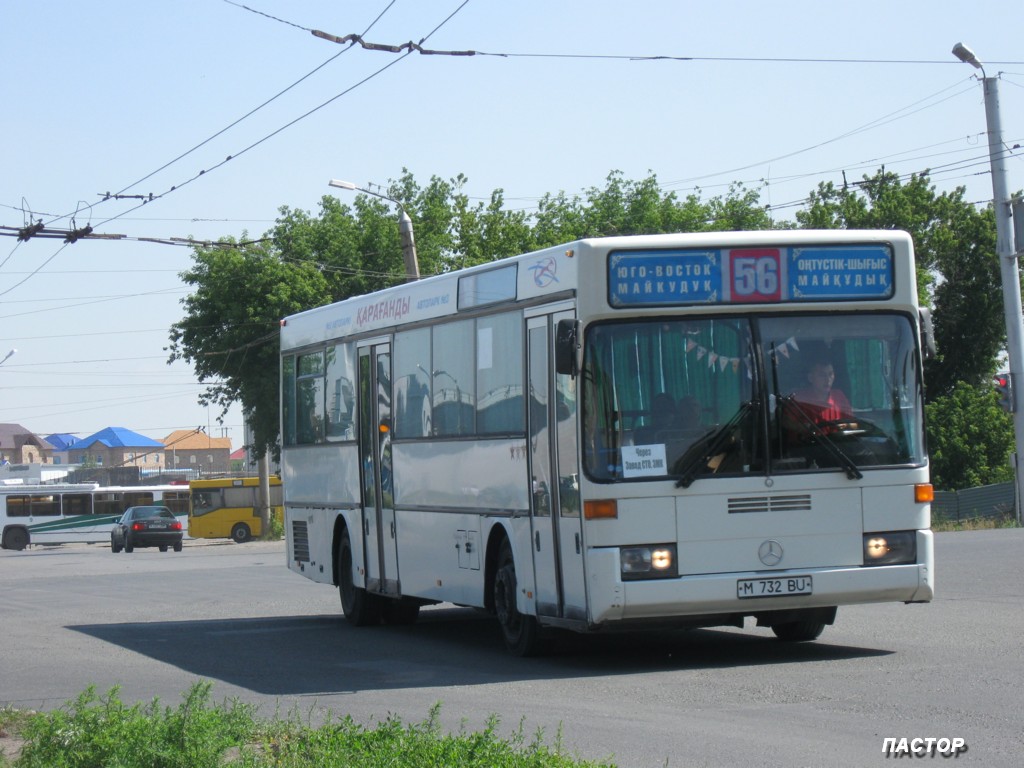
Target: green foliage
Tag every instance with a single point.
(231, 325)
(958, 271)
(102, 732)
(970, 438)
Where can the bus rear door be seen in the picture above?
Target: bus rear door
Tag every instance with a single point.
(380, 548)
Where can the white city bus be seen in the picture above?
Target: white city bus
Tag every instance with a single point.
(616, 434)
(76, 512)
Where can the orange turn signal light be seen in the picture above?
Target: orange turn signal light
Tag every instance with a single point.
(923, 493)
(601, 509)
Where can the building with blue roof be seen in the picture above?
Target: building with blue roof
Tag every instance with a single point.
(61, 443)
(118, 447)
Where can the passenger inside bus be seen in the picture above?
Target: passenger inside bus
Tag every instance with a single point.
(818, 403)
(662, 418)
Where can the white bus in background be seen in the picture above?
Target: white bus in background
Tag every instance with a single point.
(77, 512)
(609, 435)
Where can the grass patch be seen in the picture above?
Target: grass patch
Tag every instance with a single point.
(976, 523)
(96, 731)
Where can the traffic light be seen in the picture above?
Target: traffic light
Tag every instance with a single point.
(1004, 387)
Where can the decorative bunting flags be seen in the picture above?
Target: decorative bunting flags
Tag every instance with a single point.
(722, 362)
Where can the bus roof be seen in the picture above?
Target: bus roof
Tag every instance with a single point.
(550, 271)
(231, 482)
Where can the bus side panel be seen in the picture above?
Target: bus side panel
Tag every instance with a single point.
(67, 530)
(441, 556)
(477, 474)
(487, 476)
(311, 552)
(321, 474)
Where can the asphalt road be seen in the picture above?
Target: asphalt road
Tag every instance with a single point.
(154, 623)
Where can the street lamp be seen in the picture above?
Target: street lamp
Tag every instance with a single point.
(412, 267)
(1005, 250)
(966, 55)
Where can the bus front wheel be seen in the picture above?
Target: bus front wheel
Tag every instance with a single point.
(241, 533)
(798, 631)
(520, 632)
(361, 608)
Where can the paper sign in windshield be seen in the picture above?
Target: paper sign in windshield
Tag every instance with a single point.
(644, 460)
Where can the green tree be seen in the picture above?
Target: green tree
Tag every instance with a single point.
(969, 438)
(958, 271)
(230, 329)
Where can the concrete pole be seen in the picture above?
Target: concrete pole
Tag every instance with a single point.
(264, 494)
(1009, 271)
(412, 266)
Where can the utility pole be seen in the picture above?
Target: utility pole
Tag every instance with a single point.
(412, 267)
(1008, 264)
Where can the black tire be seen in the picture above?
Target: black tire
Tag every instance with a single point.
(400, 612)
(361, 608)
(798, 631)
(241, 533)
(163, 547)
(128, 546)
(114, 546)
(177, 546)
(520, 633)
(16, 538)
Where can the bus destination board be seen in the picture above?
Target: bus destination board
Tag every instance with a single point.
(749, 275)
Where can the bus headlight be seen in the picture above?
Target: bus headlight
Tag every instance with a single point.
(649, 561)
(890, 548)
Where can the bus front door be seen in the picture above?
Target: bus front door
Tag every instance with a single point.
(555, 506)
(380, 549)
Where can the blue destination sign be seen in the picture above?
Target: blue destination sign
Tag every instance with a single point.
(749, 275)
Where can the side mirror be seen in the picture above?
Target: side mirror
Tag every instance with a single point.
(566, 346)
(927, 333)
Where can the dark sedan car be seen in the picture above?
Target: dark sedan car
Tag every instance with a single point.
(153, 526)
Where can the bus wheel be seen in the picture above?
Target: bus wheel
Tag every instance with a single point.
(360, 607)
(798, 631)
(400, 612)
(521, 633)
(241, 533)
(16, 538)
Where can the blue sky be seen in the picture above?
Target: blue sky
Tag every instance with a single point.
(100, 96)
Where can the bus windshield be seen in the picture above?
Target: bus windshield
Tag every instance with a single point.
(692, 397)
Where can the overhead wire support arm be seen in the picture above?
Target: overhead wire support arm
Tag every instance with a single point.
(69, 235)
(30, 231)
(404, 47)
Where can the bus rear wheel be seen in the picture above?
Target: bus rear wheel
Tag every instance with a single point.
(16, 538)
(241, 533)
(360, 607)
(520, 633)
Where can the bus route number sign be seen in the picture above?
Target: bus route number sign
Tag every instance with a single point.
(756, 274)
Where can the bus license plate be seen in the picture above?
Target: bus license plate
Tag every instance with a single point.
(774, 587)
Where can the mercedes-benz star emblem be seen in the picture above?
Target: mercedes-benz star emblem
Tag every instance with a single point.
(770, 552)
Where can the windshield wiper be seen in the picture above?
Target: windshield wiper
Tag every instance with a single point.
(708, 446)
(808, 425)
